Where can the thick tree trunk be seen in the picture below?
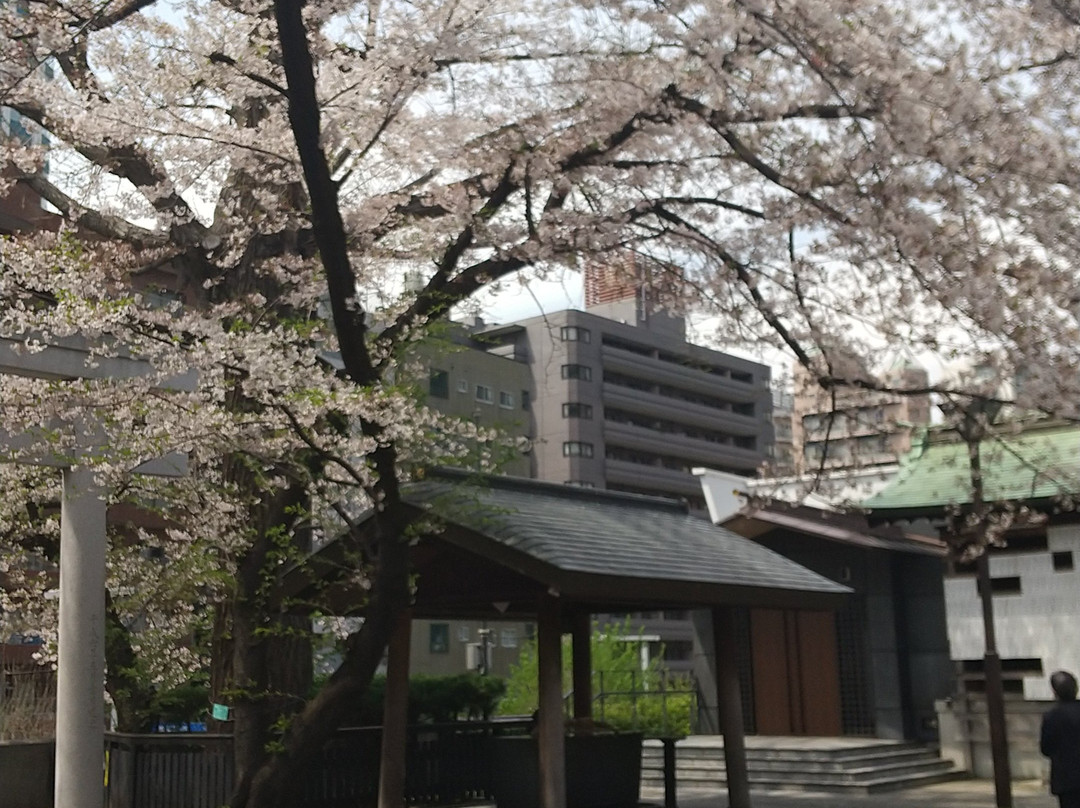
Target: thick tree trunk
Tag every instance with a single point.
(262, 667)
(275, 784)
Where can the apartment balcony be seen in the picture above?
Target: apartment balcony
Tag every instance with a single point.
(851, 431)
(665, 482)
(657, 371)
(694, 451)
(673, 409)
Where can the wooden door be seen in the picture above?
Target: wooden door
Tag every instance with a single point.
(795, 670)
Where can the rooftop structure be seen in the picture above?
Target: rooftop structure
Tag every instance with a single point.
(885, 657)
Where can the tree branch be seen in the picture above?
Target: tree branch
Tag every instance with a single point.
(131, 162)
(329, 229)
(113, 227)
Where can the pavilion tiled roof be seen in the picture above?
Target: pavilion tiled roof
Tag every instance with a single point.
(587, 532)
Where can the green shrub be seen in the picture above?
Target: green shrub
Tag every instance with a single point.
(625, 697)
(435, 699)
(657, 714)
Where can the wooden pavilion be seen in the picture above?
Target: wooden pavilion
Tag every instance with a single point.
(508, 548)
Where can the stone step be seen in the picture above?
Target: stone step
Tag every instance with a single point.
(854, 768)
(871, 749)
(710, 771)
(878, 785)
(651, 758)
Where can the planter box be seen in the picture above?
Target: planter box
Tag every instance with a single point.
(602, 771)
(26, 774)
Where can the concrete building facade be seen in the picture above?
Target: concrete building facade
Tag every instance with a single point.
(494, 392)
(854, 427)
(623, 402)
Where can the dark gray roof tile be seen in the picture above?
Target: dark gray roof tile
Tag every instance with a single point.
(605, 533)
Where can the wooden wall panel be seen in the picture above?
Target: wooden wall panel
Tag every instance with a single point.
(819, 673)
(772, 694)
(796, 672)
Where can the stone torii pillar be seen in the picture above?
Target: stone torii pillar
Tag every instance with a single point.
(80, 674)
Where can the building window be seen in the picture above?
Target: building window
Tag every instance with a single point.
(530, 631)
(677, 650)
(462, 386)
(575, 409)
(576, 448)
(573, 333)
(1063, 561)
(463, 633)
(506, 400)
(439, 384)
(580, 372)
(484, 394)
(439, 638)
(1007, 585)
(508, 638)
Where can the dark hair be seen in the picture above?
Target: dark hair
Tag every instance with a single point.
(1063, 684)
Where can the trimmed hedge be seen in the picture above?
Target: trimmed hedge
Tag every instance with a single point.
(436, 699)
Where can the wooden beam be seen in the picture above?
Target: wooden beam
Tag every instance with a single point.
(729, 704)
(395, 716)
(551, 738)
(581, 628)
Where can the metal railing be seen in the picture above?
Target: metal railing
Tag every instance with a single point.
(446, 764)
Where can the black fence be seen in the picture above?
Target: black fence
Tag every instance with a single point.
(168, 771)
(445, 764)
(26, 774)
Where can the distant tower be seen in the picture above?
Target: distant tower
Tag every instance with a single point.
(628, 288)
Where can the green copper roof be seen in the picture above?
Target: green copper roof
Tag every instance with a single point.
(1038, 463)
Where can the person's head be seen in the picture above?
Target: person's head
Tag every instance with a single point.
(1063, 684)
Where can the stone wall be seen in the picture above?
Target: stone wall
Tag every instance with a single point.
(1039, 622)
(965, 736)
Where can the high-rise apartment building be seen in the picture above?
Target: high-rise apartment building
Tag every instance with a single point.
(857, 428)
(623, 402)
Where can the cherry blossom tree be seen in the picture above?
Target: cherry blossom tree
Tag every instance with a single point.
(830, 177)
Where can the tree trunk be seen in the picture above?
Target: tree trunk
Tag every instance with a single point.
(262, 667)
(132, 697)
(276, 783)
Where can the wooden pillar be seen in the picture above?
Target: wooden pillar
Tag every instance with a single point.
(550, 732)
(582, 665)
(395, 715)
(729, 704)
